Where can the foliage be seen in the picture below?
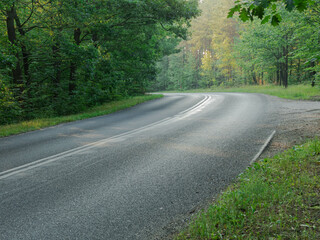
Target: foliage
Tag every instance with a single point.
(207, 55)
(283, 55)
(248, 10)
(61, 57)
(228, 53)
(9, 108)
(207, 72)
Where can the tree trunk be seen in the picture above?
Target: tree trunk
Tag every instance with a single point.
(290, 69)
(25, 53)
(313, 74)
(299, 71)
(285, 66)
(253, 74)
(278, 74)
(57, 69)
(254, 78)
(16, 71)
(279, 68)
(73, 66)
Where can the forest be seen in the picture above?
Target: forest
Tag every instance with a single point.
(63, 57)
(279, 44)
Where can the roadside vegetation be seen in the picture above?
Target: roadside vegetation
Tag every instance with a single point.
(295, 92)
(276, 198)
(26, 126)
(64, 57)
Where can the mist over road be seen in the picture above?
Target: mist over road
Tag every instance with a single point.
(129, 174)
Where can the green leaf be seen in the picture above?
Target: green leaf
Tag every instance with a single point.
(233, 10)
(301, 5)
(244, 15)
(258, 11)
(276, 19)
(266, 19)
(289, 5)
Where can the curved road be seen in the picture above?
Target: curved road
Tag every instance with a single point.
(128, 175)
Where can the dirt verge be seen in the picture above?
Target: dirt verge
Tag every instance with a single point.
(297, 121)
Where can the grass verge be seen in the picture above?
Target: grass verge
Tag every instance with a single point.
(26, 126)
(277, 198)
(296, 92)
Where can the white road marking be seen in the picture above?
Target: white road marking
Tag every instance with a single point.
(186, 113)
(263, 147)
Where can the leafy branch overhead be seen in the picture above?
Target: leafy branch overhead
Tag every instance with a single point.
(249, 9)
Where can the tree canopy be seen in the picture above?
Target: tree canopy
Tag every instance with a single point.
(60, 57)
(225, 51)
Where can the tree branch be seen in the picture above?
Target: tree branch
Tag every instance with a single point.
(32, 9)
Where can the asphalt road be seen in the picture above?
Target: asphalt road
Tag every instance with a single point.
(127, 175)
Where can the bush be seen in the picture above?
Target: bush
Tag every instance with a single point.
(9, 107)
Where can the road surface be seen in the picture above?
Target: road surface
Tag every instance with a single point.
(129, 174)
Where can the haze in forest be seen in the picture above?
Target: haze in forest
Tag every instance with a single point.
(226, 52)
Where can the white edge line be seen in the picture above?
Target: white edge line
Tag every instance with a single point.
(73, 151)
(76, 150)
(263, 147)
(196, 105)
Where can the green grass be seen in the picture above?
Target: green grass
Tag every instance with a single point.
(296, 92)
(26, 126)
(277, 198)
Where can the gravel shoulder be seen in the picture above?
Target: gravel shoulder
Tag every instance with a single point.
(296, 122)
